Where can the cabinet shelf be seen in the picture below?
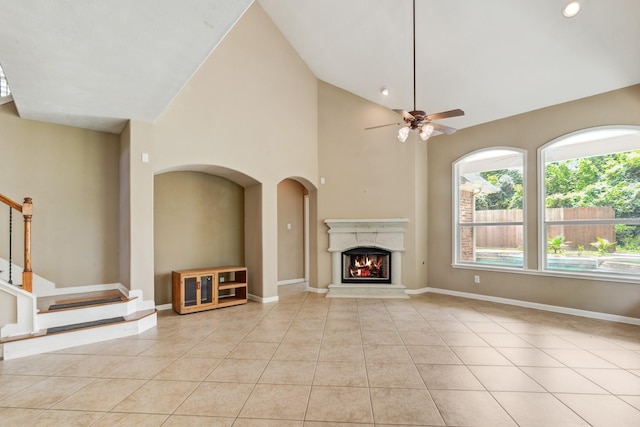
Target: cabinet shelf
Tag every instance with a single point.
(208, 288)
(231, 285)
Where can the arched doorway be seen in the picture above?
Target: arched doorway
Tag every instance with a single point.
(293, 232)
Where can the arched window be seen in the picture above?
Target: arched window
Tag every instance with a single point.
(590, 202)
(4, 86)
(488, 208)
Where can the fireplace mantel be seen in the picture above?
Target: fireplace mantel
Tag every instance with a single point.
(384, 233)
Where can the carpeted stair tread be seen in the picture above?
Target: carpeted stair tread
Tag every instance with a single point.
(84, 303)
(82, 325)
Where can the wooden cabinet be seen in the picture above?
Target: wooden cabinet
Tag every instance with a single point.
(207, 288)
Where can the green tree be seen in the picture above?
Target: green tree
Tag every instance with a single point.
(510, 195)
(587, 173)
(608, 180)
(559, 178)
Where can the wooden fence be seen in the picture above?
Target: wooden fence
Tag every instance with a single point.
(510, 236)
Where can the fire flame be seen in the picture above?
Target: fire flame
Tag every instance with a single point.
(364, 266)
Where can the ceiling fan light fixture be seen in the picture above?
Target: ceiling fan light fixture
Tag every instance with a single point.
(426, 131)
(571, 9)
(403, 133)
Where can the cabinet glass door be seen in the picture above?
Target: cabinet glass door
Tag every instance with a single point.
(190, 291)
(206, 289)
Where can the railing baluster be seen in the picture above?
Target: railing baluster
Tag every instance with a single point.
(10, 250)
(27, 273)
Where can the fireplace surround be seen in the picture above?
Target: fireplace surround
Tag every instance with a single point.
(377, 237)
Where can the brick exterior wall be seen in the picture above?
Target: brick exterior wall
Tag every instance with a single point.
(466, 213)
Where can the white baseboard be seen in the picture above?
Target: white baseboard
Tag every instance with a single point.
(252, 297)
(535, 305)
(262, 300)
(318, 290)
(417, 291)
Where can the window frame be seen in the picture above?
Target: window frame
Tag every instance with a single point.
(542, 223)
(3, 78)
(457, 225)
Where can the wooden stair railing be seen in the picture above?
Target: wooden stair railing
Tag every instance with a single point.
(26, 208)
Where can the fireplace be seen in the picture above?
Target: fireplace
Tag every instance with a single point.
(366, 265)
(366, 258)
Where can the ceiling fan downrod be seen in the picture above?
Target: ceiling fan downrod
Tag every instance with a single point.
(418, 119)
(414, 55)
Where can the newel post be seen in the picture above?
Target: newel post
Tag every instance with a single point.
(27, 273)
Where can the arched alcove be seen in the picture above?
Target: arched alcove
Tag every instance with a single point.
(199, 221)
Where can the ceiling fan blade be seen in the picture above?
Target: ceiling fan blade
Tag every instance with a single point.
(382, 126)
(446, 114)
(442, 128)
(405, 114)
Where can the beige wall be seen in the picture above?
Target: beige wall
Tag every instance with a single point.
(528, 132)
(136, 209)
(290, 230)
(8, 309)
(124, 204)
(368, 174)
(72, 176)
(248, 114)
(198, 222)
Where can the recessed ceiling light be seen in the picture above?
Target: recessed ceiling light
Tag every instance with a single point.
(384, 91)
(571, 9)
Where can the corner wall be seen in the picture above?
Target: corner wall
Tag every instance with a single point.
(136, 209)
(72, 176)
(369, 174)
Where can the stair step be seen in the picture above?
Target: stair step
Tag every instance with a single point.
(79, 300)
(86, 307)
(80, 334)
(84, 325)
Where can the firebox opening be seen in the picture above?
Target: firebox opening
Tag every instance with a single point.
(366, 265)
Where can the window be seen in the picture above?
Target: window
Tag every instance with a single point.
(488, 207)
(590, 202)
(4, 86)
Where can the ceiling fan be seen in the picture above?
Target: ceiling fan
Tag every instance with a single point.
(418, 119)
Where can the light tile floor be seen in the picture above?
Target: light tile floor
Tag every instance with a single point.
(311, 361)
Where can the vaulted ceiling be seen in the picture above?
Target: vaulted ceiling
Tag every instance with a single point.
(97, 63)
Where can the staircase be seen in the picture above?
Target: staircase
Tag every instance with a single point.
(49, 318)
(68, 317)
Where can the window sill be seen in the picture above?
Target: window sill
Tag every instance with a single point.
(552, 273)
